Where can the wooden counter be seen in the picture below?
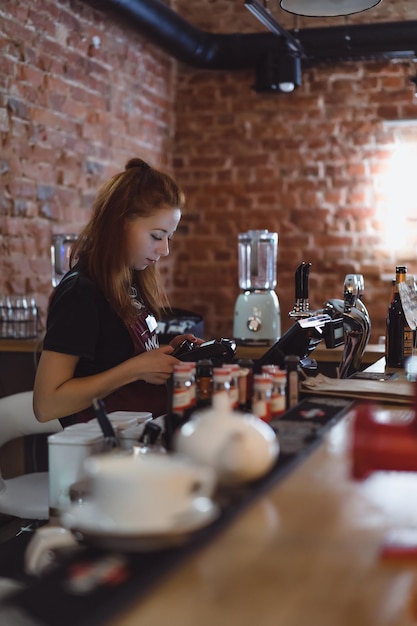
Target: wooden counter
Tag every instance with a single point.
(306, 553)
(322, 354)
(21, 345)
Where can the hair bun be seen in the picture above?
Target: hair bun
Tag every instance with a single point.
(137, 163)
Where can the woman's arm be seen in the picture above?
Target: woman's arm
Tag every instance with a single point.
(58, 394)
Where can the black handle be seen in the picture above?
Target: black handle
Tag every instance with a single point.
(103, 419)
(306, 272)
(299, 281)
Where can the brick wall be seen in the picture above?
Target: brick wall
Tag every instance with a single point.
(70, 116)
(303, 164)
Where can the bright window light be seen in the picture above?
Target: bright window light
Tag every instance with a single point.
(397, 193)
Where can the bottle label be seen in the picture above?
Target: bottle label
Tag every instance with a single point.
(408, 341)
(180, 400)
(262, 409)
(278, 402)
(234, 396)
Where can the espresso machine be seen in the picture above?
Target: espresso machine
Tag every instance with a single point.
(257, 319)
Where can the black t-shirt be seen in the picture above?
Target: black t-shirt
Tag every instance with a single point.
(82, 323)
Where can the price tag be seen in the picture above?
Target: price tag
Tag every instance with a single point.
(408, 295)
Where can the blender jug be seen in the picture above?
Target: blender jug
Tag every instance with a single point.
(60, 253)
(257, 318)
(257, 254)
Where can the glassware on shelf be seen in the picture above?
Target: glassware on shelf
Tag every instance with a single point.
(19, 317)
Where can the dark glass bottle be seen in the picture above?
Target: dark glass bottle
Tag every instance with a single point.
(245, 384)
(204, 380)
(292, 365)
(399, 336)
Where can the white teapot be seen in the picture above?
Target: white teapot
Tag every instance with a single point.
(239, 447)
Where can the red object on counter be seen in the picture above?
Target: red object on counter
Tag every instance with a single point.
(382, 445)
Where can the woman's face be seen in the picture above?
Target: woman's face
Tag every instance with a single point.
(148, 237)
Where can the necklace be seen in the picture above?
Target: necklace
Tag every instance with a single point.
(136, 300)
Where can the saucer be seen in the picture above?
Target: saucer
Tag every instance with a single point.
(89, 525)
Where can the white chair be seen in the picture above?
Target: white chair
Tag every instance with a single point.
(24, 496)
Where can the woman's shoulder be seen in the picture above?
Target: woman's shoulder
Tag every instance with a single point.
(76, 283)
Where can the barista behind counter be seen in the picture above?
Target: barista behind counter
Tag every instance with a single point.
(101, 336)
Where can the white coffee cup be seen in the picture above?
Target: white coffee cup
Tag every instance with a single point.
(147, 493)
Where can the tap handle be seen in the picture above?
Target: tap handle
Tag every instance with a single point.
(350, 290)
(306, 273)
(361, 285)
(299, 281)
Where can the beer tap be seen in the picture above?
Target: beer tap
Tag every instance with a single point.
(350, 291)
(356, 322)
(309, 329)
(301, 305)
(306, 274)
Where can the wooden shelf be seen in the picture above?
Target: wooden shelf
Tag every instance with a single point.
(21, 345)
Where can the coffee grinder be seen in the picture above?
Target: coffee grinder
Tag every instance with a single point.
(257, 320)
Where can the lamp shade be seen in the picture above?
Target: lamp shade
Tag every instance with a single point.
(327, 8)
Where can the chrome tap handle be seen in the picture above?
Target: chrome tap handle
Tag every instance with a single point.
(361, 285)
(350, 291)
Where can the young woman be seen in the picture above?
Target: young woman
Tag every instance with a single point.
(100, 340)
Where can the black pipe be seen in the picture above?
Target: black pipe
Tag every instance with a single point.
(385, 40)
(198, 48)
(190, 45)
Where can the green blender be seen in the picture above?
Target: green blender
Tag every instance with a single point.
(257, 319)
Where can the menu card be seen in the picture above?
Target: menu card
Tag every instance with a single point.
(398, 391)
(408, 295)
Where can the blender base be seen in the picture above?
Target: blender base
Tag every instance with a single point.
(257, 319)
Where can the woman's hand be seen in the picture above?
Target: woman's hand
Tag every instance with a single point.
(180, 338)
(156, 366)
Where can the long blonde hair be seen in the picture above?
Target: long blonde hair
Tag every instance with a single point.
(138, 191)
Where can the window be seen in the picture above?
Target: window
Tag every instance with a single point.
(397, 190)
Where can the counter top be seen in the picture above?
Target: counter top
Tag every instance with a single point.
(308, 552)
(322, 354)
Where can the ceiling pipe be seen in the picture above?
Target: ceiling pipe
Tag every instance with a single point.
(199, 48)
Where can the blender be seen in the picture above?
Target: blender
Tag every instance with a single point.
(257, 320)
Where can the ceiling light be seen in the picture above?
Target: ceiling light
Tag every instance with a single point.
(327, 8)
